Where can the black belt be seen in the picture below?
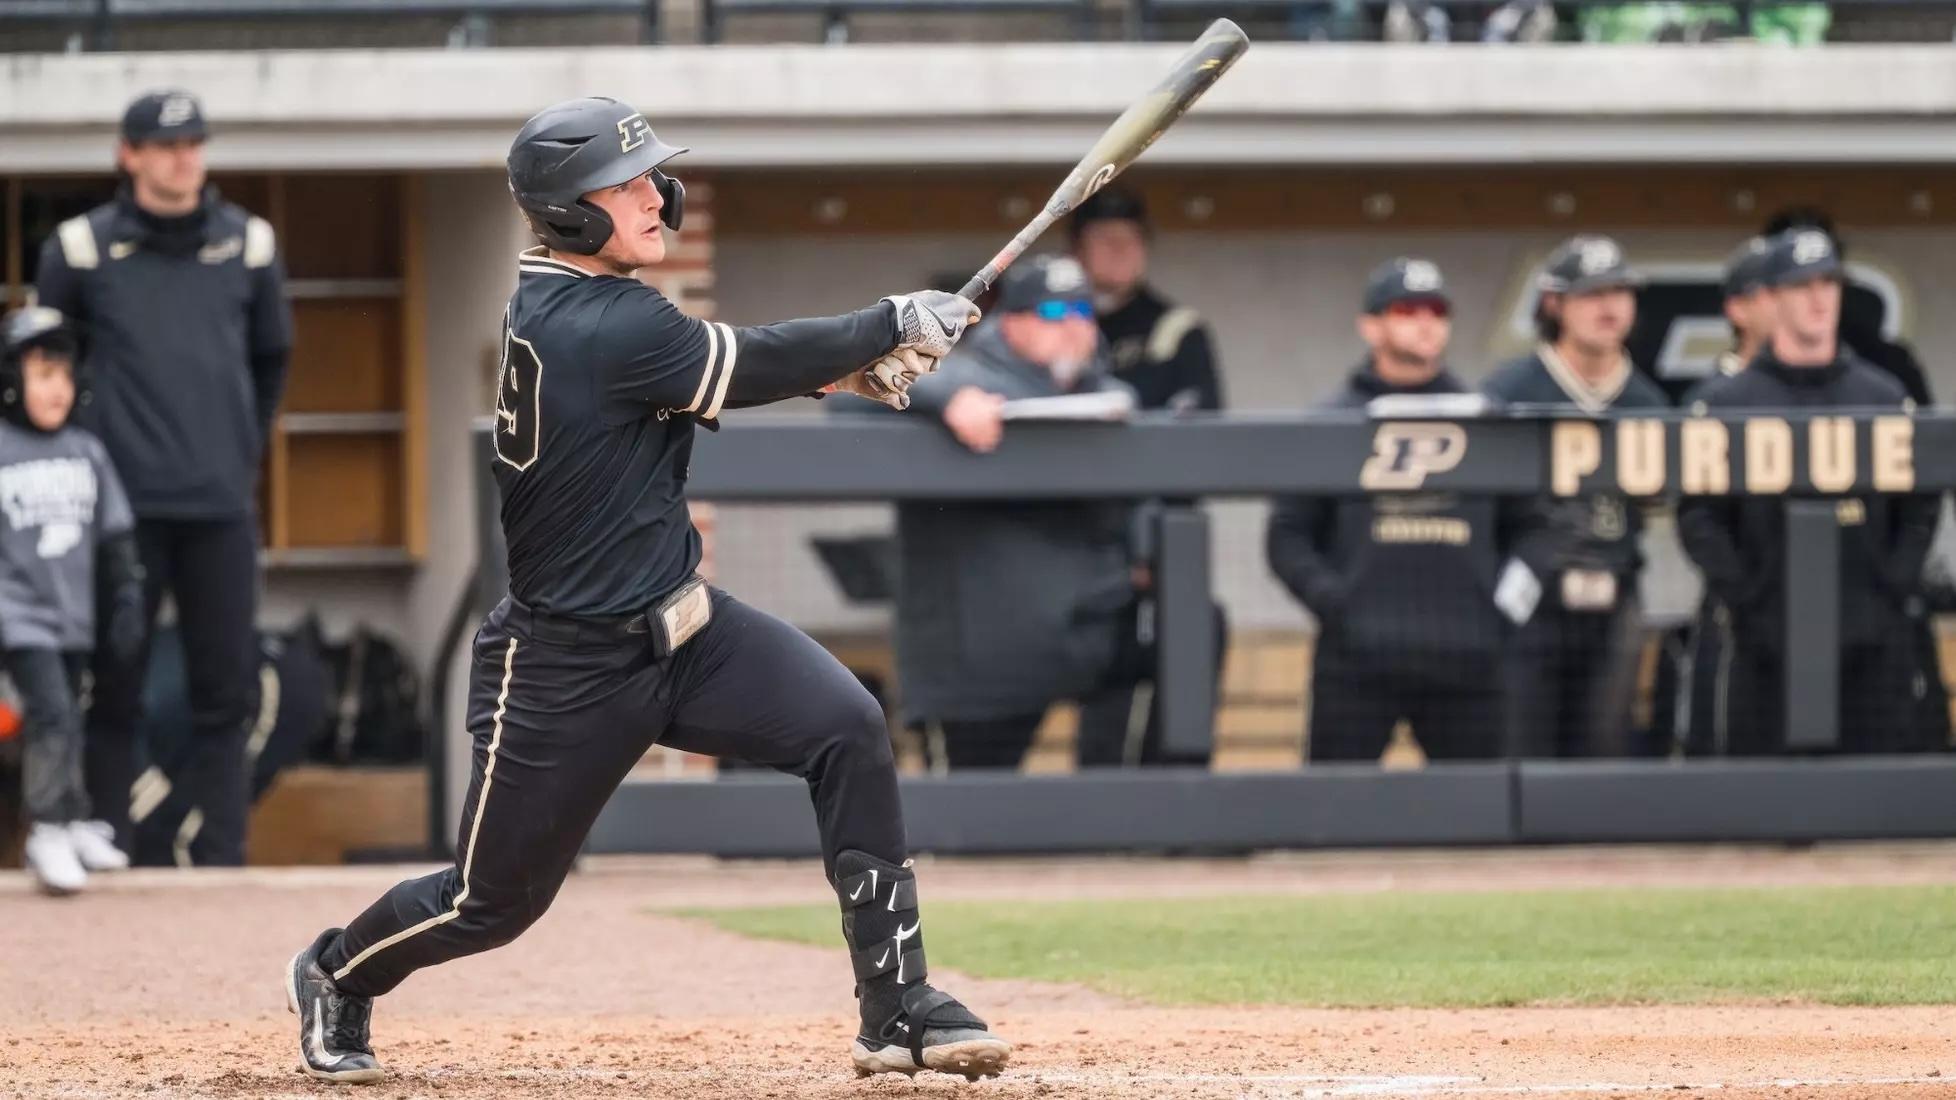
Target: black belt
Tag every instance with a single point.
(574, 629)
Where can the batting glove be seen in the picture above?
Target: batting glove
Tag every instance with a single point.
(888, 379)
(930, 321)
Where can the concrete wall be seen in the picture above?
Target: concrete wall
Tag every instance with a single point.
(1018, 104)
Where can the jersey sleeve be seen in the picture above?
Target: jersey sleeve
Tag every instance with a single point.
(651, 356)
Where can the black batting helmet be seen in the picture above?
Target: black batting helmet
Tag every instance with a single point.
(22, 331)
(578, 146)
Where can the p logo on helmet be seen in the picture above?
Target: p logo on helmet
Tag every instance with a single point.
(632, 132)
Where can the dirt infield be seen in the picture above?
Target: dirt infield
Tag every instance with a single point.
(162, 985)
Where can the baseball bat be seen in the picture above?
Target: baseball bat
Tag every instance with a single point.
(1127, 138)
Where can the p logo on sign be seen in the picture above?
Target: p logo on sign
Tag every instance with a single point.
(632, 132)
(1403, 455)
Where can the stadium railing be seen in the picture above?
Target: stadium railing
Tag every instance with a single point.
(1238, 455)
(94, 24)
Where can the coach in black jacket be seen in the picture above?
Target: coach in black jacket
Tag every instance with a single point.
(1401, 584)
(181, 300)
(1739, 542)
(1574, 660)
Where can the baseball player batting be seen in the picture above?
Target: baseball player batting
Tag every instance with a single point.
(609, 643)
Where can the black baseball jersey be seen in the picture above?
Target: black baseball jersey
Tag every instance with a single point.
(1598, 531)
(590, 456)
(186, 335)
(601, 385)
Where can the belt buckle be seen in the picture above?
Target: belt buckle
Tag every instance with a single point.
(682, 615)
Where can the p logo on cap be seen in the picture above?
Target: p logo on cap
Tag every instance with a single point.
(1064, 275)
(1599, 255)
(1811, 247)
(1421, 277)
(175, 111)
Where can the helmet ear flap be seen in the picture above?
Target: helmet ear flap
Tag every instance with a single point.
(674, 194)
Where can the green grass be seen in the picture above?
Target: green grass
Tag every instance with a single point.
(1845, 945)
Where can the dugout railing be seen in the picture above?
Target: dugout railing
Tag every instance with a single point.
(757, 458)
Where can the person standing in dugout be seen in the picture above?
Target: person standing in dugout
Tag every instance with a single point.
(66, 545)
(181, 303)
(1401, 582)
(608, 641)
(1573, 578)
(1166, 355)
(1687, 708)
(1738, 542)
(1163, 351)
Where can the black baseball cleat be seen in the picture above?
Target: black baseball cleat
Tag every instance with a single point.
(930, 1030)
(332, 1025)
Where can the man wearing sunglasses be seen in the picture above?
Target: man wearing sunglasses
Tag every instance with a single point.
(1006, 607)
(1574, 661)
(1401, 583)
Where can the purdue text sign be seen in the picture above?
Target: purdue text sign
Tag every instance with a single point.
(1815, 454)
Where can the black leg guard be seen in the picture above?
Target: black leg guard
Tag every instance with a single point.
(906, 1024)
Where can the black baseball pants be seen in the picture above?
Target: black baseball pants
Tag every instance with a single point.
(211, 567)
(1573, 675)
(559, 713)
(1454, 714)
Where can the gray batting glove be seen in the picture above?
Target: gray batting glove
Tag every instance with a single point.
(888, 379)
(930, 321)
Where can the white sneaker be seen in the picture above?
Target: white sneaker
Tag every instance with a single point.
(94, 843)
(51, 856)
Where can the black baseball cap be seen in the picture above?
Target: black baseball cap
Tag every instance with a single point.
(1587, 263)
(1798, 255)
(1041, 279)
(1109, 204)
(164, 116)
(1745, 268)
(1404, 279)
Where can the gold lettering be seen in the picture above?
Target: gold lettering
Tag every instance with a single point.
(1830, 453)
(1894, 454)
(1768, 455)
(1438, 530)
(1851, 512)
(1640, 457)
(1575, 450)
(1704, 457)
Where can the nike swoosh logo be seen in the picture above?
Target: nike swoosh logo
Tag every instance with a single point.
(317, 1040)
(885, 958)
(857, 892)
(120, 250)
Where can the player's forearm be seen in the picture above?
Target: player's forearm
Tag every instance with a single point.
(794, 358)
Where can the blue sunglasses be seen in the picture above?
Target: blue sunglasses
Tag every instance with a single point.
(1056, 310)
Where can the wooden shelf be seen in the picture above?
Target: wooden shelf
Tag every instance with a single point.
(341, 423)
(297, 289)
(338, 557)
